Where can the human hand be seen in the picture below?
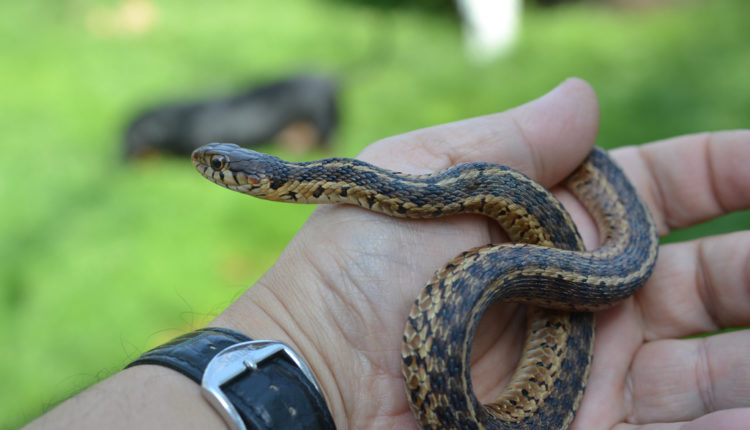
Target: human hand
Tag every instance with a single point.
(341, 291)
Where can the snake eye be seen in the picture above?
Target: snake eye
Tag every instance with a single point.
(218, 162)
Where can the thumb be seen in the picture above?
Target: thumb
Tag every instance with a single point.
(545, 138)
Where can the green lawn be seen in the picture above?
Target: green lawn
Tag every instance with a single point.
(100, 261)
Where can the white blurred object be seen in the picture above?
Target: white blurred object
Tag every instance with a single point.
(490, 27)
(126, 18)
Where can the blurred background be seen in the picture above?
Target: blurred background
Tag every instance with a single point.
(111, 243)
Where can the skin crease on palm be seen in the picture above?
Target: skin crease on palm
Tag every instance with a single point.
(341, 291)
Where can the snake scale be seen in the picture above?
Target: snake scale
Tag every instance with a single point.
(546, 266)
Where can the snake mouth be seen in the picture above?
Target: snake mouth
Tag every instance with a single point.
(201, 166)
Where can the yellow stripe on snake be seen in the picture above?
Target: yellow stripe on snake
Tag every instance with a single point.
(549, 269)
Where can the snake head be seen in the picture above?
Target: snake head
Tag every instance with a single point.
(237, 168)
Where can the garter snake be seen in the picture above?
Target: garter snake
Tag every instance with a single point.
(546, 266)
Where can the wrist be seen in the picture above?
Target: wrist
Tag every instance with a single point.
(270, 311)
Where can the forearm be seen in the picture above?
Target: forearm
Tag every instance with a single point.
(139, 397)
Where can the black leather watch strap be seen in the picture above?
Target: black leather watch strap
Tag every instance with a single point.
(275, 395)
(190, 353)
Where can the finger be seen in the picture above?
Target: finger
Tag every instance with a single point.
(683, 297)
(689, 179)
(733, 419)
(697, 287)
(545, 138)
(681, 380)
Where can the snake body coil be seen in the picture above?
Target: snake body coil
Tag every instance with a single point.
(548, 268)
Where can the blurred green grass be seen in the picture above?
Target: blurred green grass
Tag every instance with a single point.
(100, 261)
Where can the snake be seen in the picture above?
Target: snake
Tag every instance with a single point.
(545, 266)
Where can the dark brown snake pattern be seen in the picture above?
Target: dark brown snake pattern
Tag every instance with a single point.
(547, 268)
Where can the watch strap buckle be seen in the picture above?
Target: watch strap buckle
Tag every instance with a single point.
(236, 359)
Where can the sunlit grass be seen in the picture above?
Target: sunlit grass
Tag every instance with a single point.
(101, 260)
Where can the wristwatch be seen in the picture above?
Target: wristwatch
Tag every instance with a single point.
(258, 385)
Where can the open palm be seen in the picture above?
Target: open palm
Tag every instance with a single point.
(341, 292)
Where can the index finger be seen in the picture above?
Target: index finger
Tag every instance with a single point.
(690, 179)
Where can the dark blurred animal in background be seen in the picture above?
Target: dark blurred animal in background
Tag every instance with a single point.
(299, 113)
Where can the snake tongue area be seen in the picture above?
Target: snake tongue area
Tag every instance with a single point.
(550, 269)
